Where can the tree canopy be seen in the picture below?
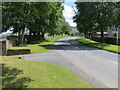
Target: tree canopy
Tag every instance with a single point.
(38, 17)
(96, 16)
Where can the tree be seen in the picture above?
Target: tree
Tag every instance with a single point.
(56, 18)
(84, 18)
(94, 15)
(65, 27)
(31, 15)
(14, 15)
(116, 7)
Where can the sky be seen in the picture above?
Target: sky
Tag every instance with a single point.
(68, 11)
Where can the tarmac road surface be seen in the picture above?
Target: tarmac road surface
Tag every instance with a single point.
(98, 67)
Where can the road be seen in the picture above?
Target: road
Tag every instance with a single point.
(98, 67)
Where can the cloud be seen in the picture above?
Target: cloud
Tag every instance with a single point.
(68, 13)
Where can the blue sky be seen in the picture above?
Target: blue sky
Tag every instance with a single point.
(71, 4)
(68, 11)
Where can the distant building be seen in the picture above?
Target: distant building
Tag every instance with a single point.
(98, 34)
(112, 32)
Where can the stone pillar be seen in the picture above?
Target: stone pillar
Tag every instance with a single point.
(2, 48)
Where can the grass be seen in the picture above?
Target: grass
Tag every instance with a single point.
(104, 46)
(18, 73)
(38, 48)
(3, 39)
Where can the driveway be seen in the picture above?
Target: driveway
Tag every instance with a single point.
(97, 66)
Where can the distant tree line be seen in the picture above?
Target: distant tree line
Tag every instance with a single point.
(97, 16)
(38, 17)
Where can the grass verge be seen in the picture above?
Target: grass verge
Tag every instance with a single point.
(18, 73)
(42, 46)
(104, 46)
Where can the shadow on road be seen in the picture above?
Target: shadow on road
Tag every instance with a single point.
(10, 79)
(70, 44)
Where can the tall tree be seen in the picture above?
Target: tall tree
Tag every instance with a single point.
(38, 17)
(56, 17)
(14, 15)
(94, 15)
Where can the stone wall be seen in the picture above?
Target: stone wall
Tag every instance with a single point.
(8, 44)
(18, 51)
(0, 49)
(46, 35)
(12, 39)
(108, 40)
(4, 45)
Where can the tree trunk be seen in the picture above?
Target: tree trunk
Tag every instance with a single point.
(34, 34)
(38, 36)
(85, 35)
(90, 36)
(43, 36)
(22, 35)
(30, 33)
(19, 31)
(102, 35)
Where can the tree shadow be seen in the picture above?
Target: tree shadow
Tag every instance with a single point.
(68, 47)
(72, 44)
(63, 41)
(10, 79)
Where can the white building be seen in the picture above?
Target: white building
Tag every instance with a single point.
(114, 32)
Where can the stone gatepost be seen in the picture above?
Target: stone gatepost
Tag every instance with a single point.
(3, 49)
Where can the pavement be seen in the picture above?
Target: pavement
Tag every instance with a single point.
(96, 66)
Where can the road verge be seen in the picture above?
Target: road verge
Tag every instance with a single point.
(103, 46)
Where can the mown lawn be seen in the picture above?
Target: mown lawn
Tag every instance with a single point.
(42, 46)
(18, 73)
(104, 46)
